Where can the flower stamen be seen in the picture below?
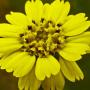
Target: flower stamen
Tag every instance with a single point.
(42, 39)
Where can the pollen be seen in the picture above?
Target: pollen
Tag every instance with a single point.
(42, 39)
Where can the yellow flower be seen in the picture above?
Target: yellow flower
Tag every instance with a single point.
(42, 47)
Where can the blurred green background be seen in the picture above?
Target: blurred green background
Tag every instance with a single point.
(8, 82)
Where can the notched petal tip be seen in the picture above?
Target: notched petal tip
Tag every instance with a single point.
(65, 8)
(71, 70)
(26, 66)
(45, 67)
(17, 18)
(59, 81)
(29, 82)
(27, 2)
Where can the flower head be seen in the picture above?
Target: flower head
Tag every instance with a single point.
(42, 46)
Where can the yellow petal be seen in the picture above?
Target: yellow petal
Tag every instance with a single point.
(76, 25)
(82, 38)
(77, 70)
(39, 71)
(29, 82)
(25, 65)
(73, 22)
(10, 48)
(34, 10)
(68, 18)
(79, 29)
(64, 12)
(55, 9)
(46, 11)
(46, 66)
(28, 7)
(8, 45)
(7, 30)
(9, 61)
(49, 84)
(73, 51)
(71, 70)
(67, 70)
(17, 18)
(20, 63)
(54, 82)
(59, 81)
(70, 56)
(39, 9)
(78, 48)
(8, 41)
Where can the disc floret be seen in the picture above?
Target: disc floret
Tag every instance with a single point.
(42, 39)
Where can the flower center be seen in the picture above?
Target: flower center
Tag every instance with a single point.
(42, 39)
